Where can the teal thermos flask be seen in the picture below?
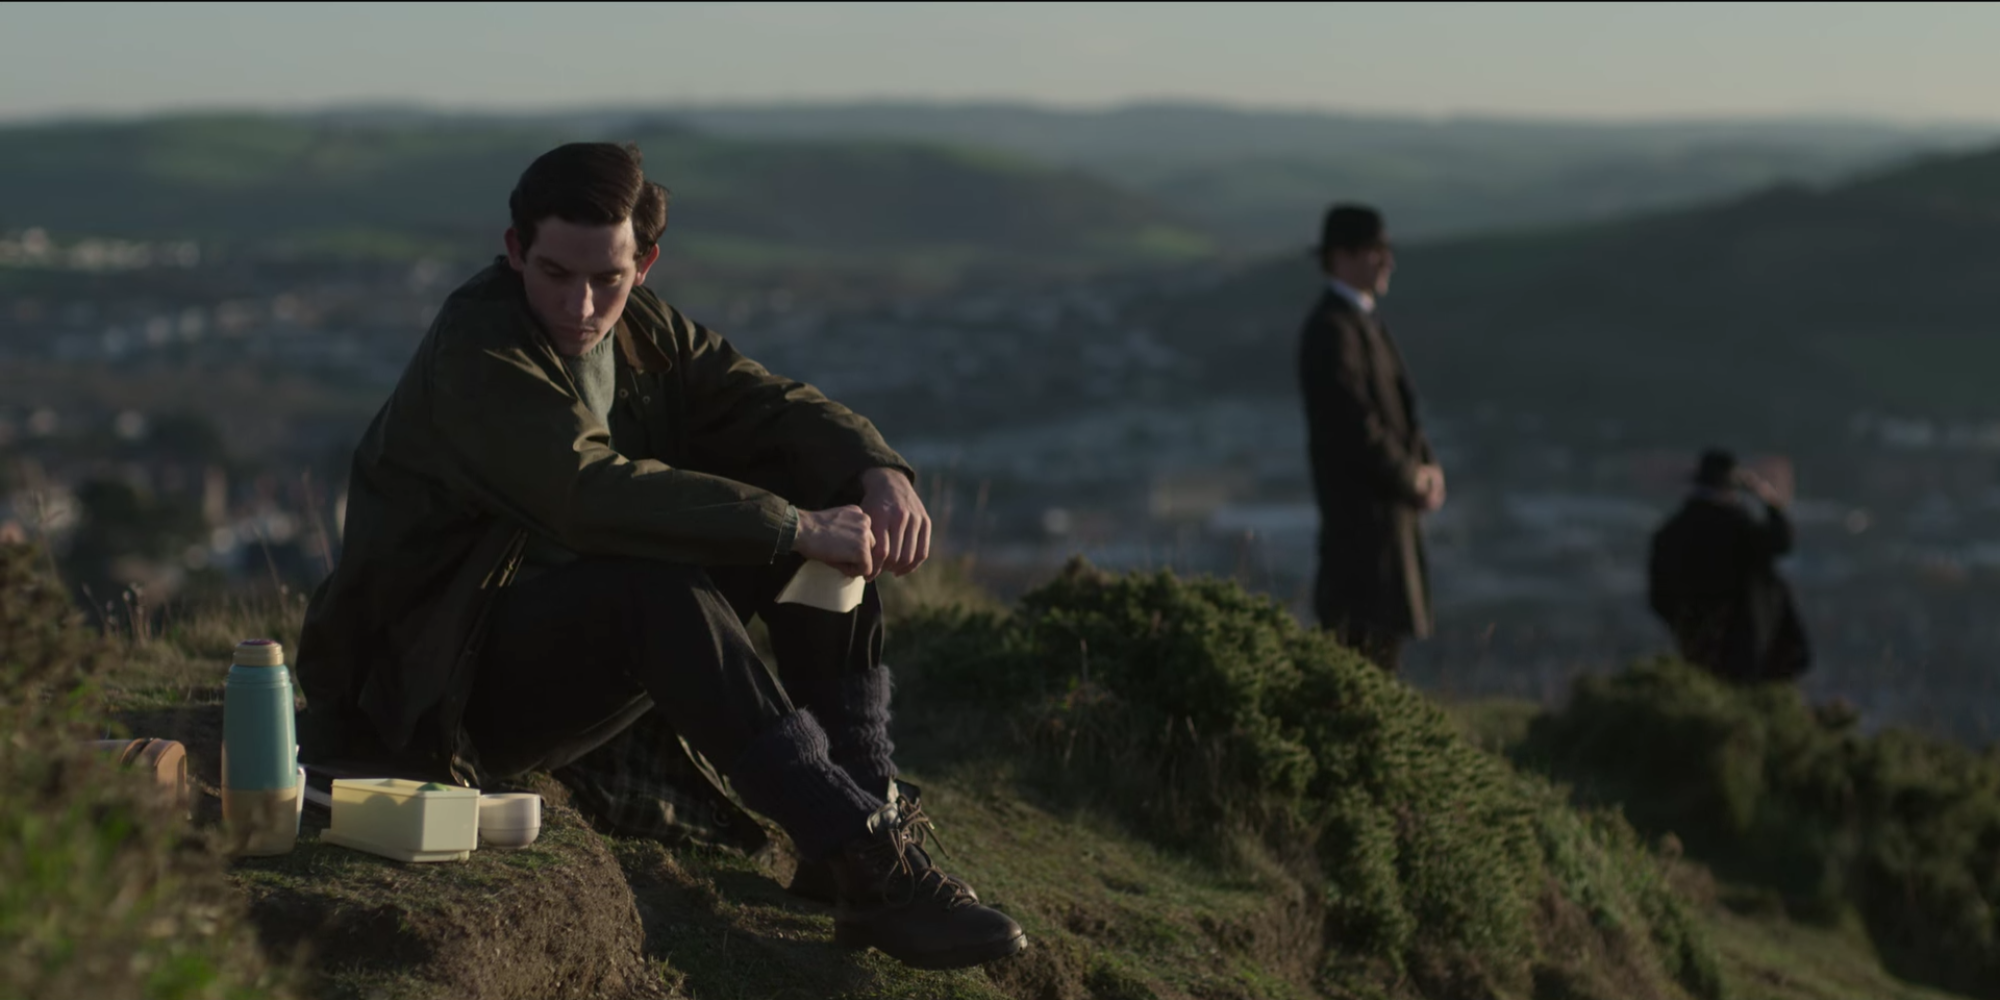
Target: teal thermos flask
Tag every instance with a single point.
(259, 752)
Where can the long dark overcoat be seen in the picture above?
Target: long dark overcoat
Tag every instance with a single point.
(1366, 445)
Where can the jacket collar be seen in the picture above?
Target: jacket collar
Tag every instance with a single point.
(642, 352)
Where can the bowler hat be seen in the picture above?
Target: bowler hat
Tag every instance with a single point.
(1717, 469)
(1348, 226)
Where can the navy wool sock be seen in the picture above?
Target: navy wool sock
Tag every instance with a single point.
(785, 774)
(860, 730)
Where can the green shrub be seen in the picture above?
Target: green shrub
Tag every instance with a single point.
(103, 892)
(1900, 828)
(1202, 713)
(942, 582)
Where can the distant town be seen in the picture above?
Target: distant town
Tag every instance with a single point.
(1046, 422)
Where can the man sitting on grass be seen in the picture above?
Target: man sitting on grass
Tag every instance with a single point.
(561, 520)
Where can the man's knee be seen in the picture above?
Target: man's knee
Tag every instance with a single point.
(645, 589)
(649, 576)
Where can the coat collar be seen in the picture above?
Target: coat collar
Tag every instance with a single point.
(1360, 301)
(642, 352)
(1332, 301)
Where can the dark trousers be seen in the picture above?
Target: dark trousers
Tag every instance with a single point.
(1349, 603)
(578, 652)
(1381, 647)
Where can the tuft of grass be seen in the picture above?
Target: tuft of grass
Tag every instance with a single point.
(943, 582)
(103, 891)
(1497, 725)
(184, 657)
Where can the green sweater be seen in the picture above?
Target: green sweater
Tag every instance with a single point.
(596, 375)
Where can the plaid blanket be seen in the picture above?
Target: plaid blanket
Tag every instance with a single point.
(647, 782)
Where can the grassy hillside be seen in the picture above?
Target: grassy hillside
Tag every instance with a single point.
(440, 186)
(1179, 792)
(1772, 313)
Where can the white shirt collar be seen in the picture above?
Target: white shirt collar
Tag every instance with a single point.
(1361, 300)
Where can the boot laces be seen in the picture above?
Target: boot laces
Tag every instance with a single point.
(905, 841)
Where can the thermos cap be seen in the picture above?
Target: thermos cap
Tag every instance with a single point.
(260, 653)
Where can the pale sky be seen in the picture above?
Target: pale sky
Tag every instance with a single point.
(1913, 61)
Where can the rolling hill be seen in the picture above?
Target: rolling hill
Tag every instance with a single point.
(428, 185)
(1773, 312)
(1257, 178)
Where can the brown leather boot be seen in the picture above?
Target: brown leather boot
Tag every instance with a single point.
(814, 879)
(891, 897)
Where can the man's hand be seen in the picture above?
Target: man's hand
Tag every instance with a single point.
(1430, 486)
(901, 525)
(841, 538)
(1761, 488)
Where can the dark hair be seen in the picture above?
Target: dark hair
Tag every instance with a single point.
(590, 184)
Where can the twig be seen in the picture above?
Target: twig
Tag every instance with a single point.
(318, 526)
(31, 472)
(135, 614)
(942, 494)
(271, 563)
(978, 520)
(103, 622)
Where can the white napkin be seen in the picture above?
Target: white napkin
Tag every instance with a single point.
(818, 585)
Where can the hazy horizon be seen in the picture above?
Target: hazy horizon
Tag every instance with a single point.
(442, 110)
(1908, 64)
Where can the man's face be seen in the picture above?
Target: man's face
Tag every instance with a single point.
(1365, 269)
(578, 278)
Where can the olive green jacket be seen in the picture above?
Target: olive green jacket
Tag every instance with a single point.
(486, 440)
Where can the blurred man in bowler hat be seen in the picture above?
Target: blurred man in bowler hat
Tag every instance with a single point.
(1714, 578)
(1374, 474)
